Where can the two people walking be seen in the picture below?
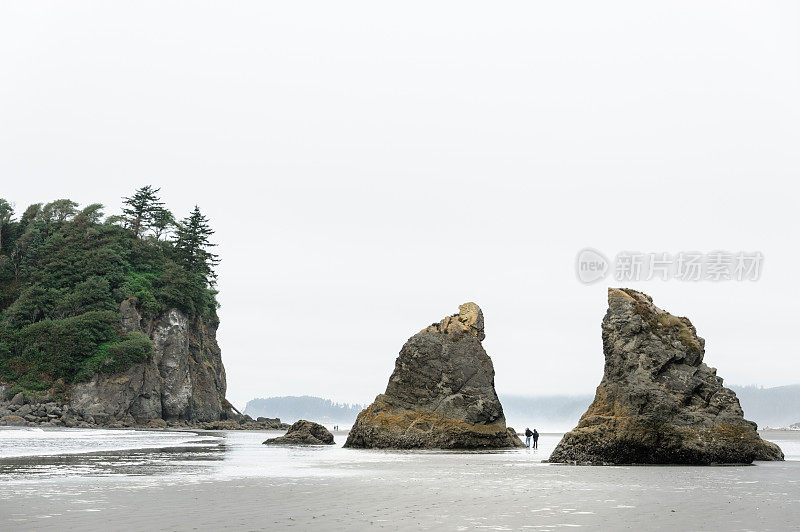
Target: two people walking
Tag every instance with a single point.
(531, 435)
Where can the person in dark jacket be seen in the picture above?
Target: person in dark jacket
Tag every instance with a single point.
(535, 439)
(528, 435)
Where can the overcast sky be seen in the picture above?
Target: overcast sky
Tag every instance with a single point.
(369, 167)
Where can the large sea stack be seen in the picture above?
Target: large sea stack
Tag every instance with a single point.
(658, 403)
(441, 394)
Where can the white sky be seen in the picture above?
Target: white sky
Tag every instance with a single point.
(368, 167)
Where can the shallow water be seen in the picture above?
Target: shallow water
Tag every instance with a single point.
(28, 454)
(34, 441)
(81, 477)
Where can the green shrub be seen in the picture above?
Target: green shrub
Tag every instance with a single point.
(135, 347)
(114, 357)
(140, 286)
(59, 347)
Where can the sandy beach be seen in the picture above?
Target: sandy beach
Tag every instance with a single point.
(754, 498)
(241, 483)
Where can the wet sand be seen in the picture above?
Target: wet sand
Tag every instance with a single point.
(764, 497)
(339, 489)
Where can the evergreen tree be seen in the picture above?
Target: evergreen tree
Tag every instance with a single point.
(192, 246)
(91, 214)
(6, 212)
(161, 222)
(141, 208)
(59, 211)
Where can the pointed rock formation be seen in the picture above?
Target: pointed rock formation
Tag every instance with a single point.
(441, 394)
(658, 403)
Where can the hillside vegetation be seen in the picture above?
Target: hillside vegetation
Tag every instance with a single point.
(65, 269)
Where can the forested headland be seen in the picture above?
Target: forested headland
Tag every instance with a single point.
(64, 271)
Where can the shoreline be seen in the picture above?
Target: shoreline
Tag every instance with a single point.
(158, 424)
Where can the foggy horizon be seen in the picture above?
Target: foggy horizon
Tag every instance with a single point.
(364, 179)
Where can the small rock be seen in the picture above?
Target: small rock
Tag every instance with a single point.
(12, 421)
(18, 399)
(304, 433)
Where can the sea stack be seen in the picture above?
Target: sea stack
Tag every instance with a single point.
(658, 403)
(441, 394)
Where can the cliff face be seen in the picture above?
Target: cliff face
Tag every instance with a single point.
(184, 379)
(658, 403)
(441, 394)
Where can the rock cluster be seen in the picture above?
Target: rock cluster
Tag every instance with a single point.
(440, 395)
(658, 403)
(303, 433)
(21, 411)
(27, 411)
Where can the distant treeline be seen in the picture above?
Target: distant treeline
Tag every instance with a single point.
(773, 407)
(292, 408)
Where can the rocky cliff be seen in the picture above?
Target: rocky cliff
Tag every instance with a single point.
(441, 394)
(181, 385)
(658, 403)
(184, 379)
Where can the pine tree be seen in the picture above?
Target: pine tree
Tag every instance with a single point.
(141, 208)
(192, 246)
